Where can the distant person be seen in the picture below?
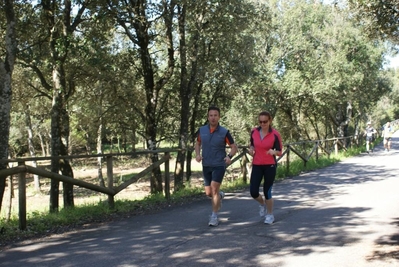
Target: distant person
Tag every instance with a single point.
(387, 134)
(370, 136)
(265, 145)
(212, 138)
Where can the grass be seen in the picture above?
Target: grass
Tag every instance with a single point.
(42, 223)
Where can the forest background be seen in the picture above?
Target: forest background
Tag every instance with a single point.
(77, 76)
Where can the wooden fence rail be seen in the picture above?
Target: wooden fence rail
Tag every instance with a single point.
(298, 148)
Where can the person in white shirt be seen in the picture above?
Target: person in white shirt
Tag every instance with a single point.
(388, 131)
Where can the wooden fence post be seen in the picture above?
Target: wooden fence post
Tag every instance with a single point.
(327, 149)
(110, 179)
(244, 162)
(317, 150)
(22, 197)
(167, 176)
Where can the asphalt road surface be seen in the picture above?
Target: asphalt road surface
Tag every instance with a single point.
(343, 215)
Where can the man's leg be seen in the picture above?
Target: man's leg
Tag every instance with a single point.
(213, 221)
(208, 173)
(217, 178)
(208, 191)
(214, 193)
(216, 199)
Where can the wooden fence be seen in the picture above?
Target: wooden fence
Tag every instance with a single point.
(300, 149)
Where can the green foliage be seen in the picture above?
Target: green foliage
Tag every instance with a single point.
(317, 71)
(381, 17)
(386, 109)
(305, 62)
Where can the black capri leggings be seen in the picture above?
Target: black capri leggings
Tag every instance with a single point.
(268, 172)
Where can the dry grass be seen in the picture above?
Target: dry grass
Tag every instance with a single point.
(87, 171)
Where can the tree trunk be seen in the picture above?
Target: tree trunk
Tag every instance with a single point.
(189, 157)
(138, 28)
(55, 150)
(156, 177)
(134, 137)
(342, 120)
(186, 88)
(32, 152)
(6, 69)
(185, 102)
(192, 126)
(10, 197)
(60, 24)
(100, 151)
(42, 144)
(119, 144)
(65, 166)
(66, 170)
(59, 131)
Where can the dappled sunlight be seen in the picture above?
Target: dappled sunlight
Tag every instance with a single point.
(387, 246)
(316, 216)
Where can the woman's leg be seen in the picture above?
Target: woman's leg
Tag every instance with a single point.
(270, 174)
(256, 179)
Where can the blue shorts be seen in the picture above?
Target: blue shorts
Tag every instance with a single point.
(213, 174)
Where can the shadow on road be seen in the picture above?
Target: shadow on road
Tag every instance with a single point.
(316, 214)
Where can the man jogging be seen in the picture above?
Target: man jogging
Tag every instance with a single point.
(212, 138)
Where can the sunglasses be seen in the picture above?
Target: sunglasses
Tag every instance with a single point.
(263, 122)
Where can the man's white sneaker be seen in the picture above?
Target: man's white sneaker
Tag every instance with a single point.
(269, 219)
(262, 211)
(213, 221)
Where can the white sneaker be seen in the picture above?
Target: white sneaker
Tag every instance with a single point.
(213, 221)
(269, 219)
(262, 211)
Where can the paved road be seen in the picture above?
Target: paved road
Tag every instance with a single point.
(343, 215)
